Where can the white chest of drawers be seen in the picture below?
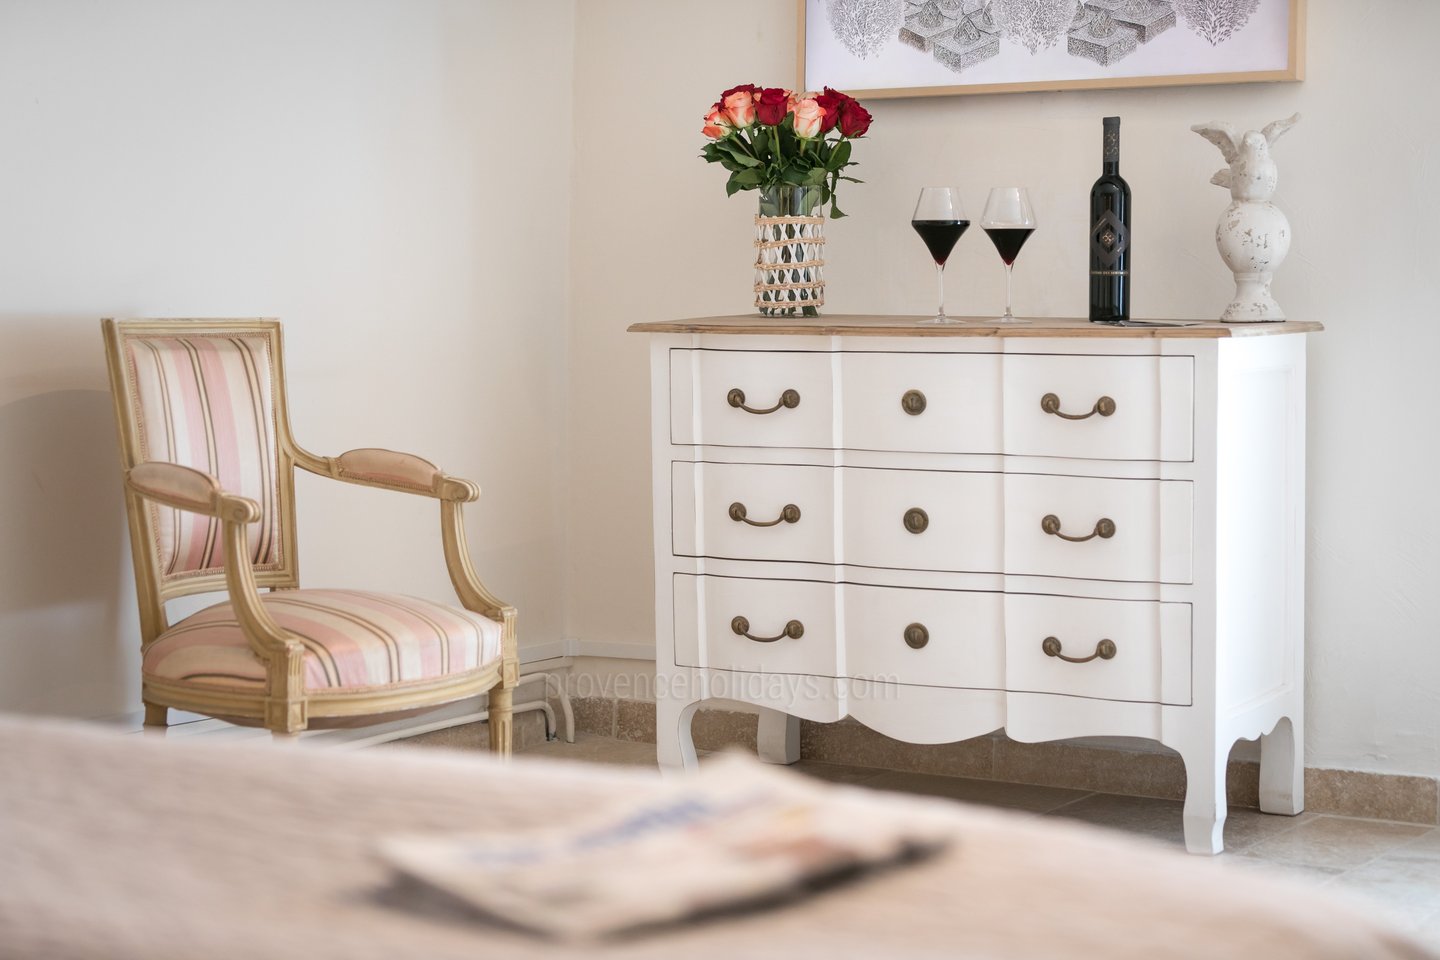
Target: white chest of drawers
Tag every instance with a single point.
(1059, 530)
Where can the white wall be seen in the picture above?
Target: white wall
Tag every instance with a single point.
(402, 183)
(1358, 179)
(389, 178)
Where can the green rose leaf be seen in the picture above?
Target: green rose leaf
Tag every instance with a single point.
(742, 158)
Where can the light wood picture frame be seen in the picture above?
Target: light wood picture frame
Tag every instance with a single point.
(874, 49)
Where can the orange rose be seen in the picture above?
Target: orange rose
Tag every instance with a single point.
(717, 124)
(809, 118)
(739, 107)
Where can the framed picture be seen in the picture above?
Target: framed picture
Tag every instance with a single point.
(913, 48)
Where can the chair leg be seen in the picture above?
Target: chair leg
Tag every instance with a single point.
(156, 715)
(501, 726)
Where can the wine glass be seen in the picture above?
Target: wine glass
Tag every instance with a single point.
(1009, 220)
(940, 219)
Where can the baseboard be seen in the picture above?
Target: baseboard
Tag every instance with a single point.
(1076, 765)
(609, 649)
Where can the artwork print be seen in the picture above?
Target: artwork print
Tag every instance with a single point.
(914, 47)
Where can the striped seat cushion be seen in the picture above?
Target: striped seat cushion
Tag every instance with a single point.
(353, 640)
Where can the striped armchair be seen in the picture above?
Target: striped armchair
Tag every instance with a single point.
(209, 470)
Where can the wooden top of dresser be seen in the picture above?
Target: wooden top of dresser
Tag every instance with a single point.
(862, 325)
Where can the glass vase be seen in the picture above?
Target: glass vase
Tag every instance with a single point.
(789, 245)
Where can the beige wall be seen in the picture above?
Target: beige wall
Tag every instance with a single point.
(1358, 179)
(389, 178)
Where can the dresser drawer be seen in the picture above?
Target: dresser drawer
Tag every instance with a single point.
(1136, 650)
(938, 638)
(922, 403)
(753, 511)
(755, 626)
(922, 519)
(1099, 408)
(751, 398)
(1140, 530)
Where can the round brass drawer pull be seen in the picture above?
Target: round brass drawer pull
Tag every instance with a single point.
(788, 514)
(790, 399)
(916, 636)
(1050, 403)
(916, 520)
(1105, 650)
(794, 629)
(1104, 529)
(913, 402)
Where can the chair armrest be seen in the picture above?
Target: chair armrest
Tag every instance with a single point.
(402, 472)
(186, 488)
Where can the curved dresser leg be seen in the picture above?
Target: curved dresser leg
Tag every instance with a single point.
(777, 738)
(1205, 806)
(1282, 769)
(674, 747)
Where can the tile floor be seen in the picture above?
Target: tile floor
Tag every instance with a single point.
(1393, 867)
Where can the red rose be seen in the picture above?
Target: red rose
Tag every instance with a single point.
(772, 106)
(749, 88)
(854, 119)
(830, 101)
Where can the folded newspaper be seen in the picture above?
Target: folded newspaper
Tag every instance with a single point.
(739, 834)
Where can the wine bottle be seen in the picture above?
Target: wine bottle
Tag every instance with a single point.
(1110, 235)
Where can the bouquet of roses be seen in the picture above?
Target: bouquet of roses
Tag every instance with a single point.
(772, 137)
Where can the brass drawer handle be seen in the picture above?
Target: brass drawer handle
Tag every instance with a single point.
(794, 630)
(790, 399)
(1050, 403)
(788, 514)
(913, 402)
(1104, 529)
(916, 636)
(916, 520)
(1105, 650)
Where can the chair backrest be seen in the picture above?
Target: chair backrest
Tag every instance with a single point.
(207, 394)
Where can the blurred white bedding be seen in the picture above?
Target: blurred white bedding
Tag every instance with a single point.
(123, 846)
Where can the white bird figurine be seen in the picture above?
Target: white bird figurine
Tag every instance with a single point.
(1253, 234)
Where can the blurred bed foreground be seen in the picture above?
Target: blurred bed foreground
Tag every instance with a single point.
(121, 846)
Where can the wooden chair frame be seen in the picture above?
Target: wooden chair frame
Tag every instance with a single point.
(285, 706)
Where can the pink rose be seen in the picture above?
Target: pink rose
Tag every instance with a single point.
(739, 107)
(773, 105)
(809, 118)
(717, 124)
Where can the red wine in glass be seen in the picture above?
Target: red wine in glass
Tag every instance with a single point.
(940, 236)
(1009, 240)
(940, 220)
(1009, 220)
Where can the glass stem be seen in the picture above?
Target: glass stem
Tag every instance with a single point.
(940, 278)
(1008, 268)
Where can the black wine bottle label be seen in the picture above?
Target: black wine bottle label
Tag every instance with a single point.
(1109, 240)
